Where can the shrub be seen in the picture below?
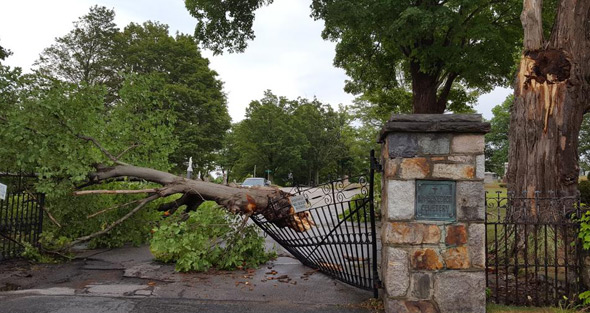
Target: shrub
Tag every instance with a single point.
(584, 235)
(359, 216)
(584, 187)
(208, 237)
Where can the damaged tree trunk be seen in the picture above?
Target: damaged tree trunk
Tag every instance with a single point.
(551, 95)
(272, 203)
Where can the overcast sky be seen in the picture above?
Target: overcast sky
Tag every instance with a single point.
(288, 55)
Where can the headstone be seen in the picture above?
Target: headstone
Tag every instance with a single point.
(3, 189)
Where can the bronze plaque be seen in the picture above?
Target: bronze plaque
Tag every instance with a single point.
(435, 200)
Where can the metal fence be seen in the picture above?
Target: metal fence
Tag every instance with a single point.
(532, 250)
(341, 241)
(21, 214)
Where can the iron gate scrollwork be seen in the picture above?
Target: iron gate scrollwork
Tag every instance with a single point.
(342, 241)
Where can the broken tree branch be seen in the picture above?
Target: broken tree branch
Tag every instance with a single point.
(111, 208)
(101, 148)
(128, 149)
(133, 191)
(270, 202)
(115, 223)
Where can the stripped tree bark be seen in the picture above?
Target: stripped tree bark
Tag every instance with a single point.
(551, 92)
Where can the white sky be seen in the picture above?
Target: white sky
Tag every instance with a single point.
(288, 55)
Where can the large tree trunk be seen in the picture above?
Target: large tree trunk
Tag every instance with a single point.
(430, 90)
(552, 89)
(424, 90)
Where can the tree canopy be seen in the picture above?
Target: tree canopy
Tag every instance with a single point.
(96, 52)
(101, 97)
(435, 48)
(298, 141)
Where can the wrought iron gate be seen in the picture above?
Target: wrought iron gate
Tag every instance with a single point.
(342, 241)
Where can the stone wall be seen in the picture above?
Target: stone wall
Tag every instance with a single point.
(430, 265)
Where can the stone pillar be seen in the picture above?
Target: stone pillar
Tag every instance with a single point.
(433, 207)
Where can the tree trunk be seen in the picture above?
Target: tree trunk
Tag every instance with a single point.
(424, 89)
(551, 95)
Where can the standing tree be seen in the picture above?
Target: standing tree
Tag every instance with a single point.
(550, 98)
(443, 47)
(196, 94)
(84, 55)
(496, 149)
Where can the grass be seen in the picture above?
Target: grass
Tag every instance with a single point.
(496, 308)
(493, 189)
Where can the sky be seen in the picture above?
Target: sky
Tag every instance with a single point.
(287, 57)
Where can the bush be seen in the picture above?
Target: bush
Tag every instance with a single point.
(361, 215)
(584, 235)
(584, 187)
(209, 237)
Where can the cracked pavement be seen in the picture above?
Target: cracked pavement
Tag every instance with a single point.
(129, 280)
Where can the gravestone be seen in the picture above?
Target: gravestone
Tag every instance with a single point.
(433, 204)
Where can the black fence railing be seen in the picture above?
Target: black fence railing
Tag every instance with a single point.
(532, 250)
(21, 220)
(21, 213)
(18, 181)
(338, 237)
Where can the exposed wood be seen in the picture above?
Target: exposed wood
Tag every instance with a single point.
(91, 192)
(552, 89)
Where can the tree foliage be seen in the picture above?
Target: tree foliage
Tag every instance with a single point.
(84, 55)
(98, 95)
(208, 237)
(301, 139)
(584, 143)
(496, 149)
(198, 101)
(436, 47)
(60, 131)
(96, 52)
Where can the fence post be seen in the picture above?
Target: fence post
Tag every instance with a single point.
(434, 208)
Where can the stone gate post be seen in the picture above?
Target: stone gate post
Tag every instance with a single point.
(433, 203)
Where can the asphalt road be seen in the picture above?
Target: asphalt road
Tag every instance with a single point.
(128, 280)
(94, 304)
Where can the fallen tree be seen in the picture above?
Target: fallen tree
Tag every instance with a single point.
(271, 202)
(76, 142)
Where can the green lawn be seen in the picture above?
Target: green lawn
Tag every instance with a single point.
(495, 308)
(493, 189)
